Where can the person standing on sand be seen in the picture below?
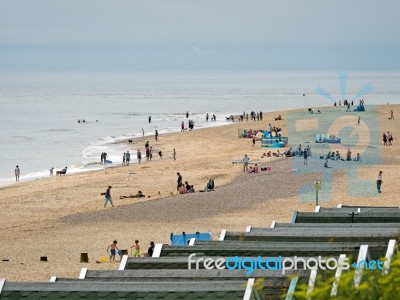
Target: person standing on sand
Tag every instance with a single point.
(108, 197)
(17, 172)
(178, 181)
(127, 158)
(112, 250)
(391, 115)
(389, 138)
(123, 159)
(156, 133)
(51, 171)
(151, 249)
(136, 247)
(182, 126)
(142, 132)
(254, 140)
(379, 181)
(359, 119)
(246, 160)
(139, 156)
(305, 155)
(384, 139)
(174, 154)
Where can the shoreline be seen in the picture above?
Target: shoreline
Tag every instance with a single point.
(63, 217)
(88, 166)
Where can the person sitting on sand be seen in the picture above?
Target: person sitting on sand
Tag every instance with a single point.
(182, 189)
(112, 250)
(254, 170)
(136, 251)
(191, 190)
(338, 155)
(138, 195)
(210, 185)
(288, 153)
(358, 157)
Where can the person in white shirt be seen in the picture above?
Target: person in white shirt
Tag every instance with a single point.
(379, 182)
(246, 160)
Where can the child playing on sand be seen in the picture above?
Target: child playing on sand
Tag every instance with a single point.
(136, 252)
(112, 250)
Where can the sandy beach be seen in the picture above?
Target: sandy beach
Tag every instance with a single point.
(61, 217)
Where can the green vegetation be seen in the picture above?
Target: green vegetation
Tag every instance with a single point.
(374, 285)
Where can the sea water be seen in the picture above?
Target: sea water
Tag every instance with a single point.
(39, 112)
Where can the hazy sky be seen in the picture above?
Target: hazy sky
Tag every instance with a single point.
(170, 35)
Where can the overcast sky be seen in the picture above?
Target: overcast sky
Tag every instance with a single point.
(189, 35)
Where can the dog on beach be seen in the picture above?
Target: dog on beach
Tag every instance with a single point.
(130, 141)
(62, 172)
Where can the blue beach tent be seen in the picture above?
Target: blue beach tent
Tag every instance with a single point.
(184, 238)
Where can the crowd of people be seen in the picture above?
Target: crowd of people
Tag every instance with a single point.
(332, 155)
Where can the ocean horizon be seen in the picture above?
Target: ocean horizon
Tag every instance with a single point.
(40, 110)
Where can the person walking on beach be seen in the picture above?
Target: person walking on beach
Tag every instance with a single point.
(123, 159)
(127, 158)
(359, 119)
(187, 114)
(139, 156)
(391, 115)
(148, 154)
(182, 126)
(112, 250)
(178, 181)
(108, 197)
(305, 155)
(384, 139)
(51, 171)
(142, 132)
(379, 181)
(254, 140)
(174, 154)
(156, 136)
(389, 138)
(17, 172)
(151, 153)
(136, 251)
(246, 160)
